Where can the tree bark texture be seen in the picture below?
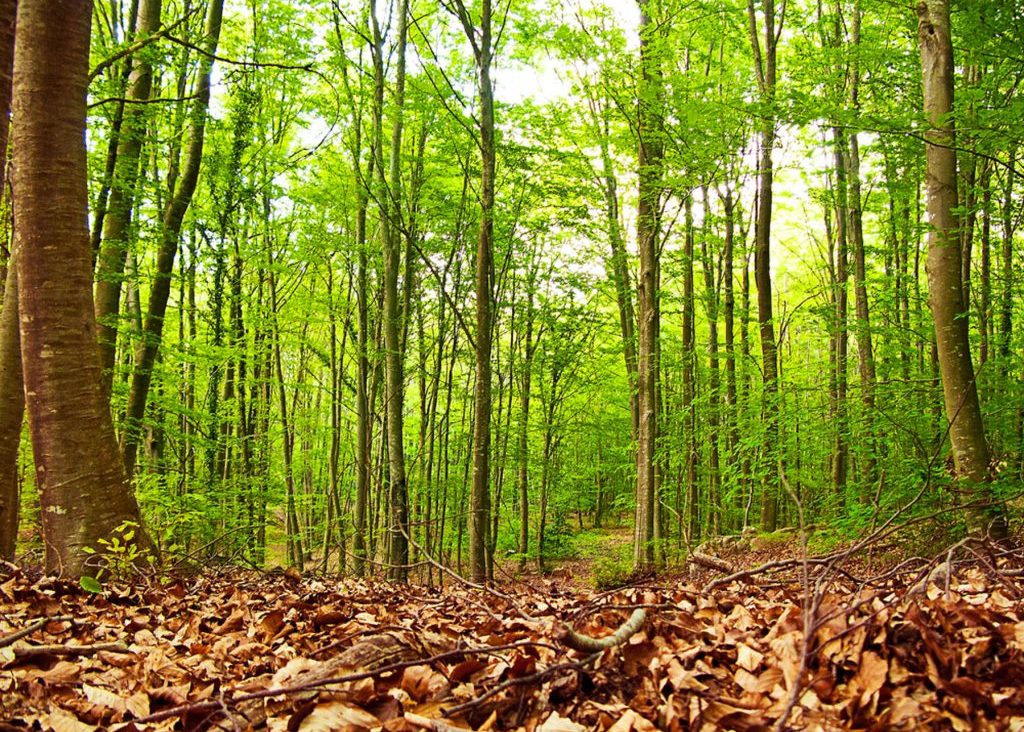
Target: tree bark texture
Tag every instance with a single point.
(117, 221)
(173, 217)
(12, 387)
(83, 491)
(960, 394)
(649, 165)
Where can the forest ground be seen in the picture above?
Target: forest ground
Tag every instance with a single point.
(895, 642)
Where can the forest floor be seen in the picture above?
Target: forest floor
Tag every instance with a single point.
(890, 643)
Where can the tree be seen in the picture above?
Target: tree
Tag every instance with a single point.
(173, 216)
(83, 491)
(12, 387)
(765, 69)
(398, 554)
(959, 388)
(650, 153)
(117, 221)
(480, 497)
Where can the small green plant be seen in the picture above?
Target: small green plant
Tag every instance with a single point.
(118, 556)
(613, 569)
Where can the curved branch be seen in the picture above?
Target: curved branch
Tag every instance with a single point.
(587, 644)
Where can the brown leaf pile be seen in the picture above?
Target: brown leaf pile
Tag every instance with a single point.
(246, 651)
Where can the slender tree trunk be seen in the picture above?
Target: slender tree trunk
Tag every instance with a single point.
(173, 216)
(398, 544)
(865, 338)
(945, 294)
(83, 491)
(619, 271)
(711, 299)
(985, 296)
(480, 496)
(689, 357)
(523, 444)
(765, 70)
(1006, 270)
(12, 387)
(121, 199)
(841, 451)
(649, 167)
(729, 314)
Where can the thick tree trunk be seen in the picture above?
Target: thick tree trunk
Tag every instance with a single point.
(83, 491)
(945, 294)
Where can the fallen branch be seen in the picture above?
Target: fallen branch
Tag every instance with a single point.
(32, 628)
(706, 560)
(539, 676)
(26, 650)
(587, 644)
(234, 702)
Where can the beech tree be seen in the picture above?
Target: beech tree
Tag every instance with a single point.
(945, 287)
(83, 491)
(650, 152)
(12, 388)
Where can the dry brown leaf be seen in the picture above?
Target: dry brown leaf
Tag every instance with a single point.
(747, 658)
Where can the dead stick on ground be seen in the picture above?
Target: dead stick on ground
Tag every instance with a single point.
(541, 675)
(206, 706)
(587, 644)
(32, 628)
(706, 560)
(24, 650)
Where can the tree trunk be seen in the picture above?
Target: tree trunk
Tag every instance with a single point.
(649, 167)
(398, 556)
(711, 300)
(765, 70)
(12, 387)
(619, 272)
(173, 216)
(523, 445)
(945, 294)
(120, 202)
(480, 496)
(689, 357)
(83, 491)
(841, 451)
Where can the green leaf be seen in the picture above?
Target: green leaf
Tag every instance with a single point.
(90, 584)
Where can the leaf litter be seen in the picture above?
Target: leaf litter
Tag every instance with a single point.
(908, 649)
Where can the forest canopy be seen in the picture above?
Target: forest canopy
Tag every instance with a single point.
(396, 286)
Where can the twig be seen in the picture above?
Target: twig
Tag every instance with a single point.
(206, 706)
(521, 681)
(32, 628)
(25, 650)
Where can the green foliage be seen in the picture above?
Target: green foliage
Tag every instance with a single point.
(251, 430)
(118, 556)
